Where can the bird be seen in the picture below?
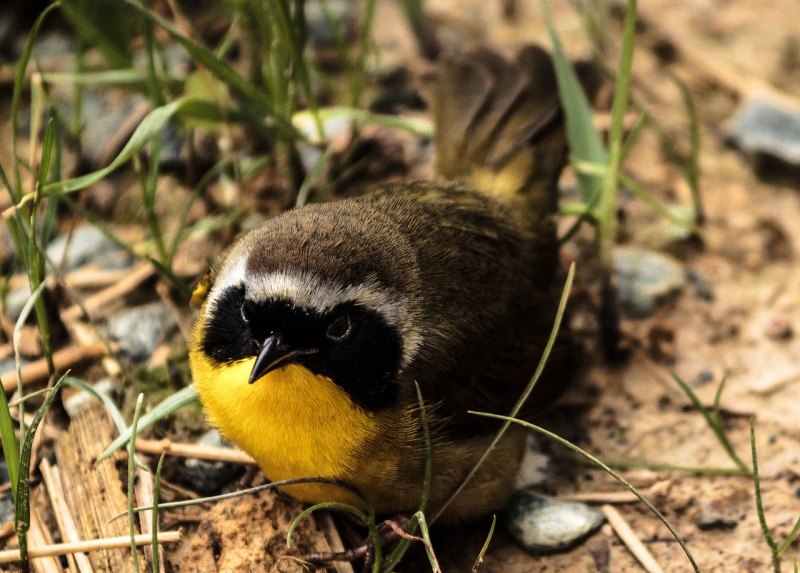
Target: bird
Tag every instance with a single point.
(315, 329)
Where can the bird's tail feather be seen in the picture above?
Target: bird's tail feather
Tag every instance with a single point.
(499, 127)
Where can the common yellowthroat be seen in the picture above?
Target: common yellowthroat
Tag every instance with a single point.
(313, 328)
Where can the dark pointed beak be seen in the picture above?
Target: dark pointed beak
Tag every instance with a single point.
(273, 354)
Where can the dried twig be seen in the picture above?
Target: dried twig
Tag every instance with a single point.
(94, 304)
(631, 541)
(601, 497)
(122, 542)
(183, 321)
(64, 519)
(39, 535)
(63, 359)
(144, 496)
(192, 451)
(85, 277)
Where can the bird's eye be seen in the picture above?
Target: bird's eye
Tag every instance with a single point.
(339, 328)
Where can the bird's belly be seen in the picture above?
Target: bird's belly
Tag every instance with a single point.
(294, 423)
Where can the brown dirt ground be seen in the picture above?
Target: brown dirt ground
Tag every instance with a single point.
(633, 411)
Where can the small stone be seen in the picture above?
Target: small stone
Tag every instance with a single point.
(208, 477)
(6, 503)
(542, 524)
(646, 279)
(139, 330)
(78, 400)
(703, 377)
(323, 28)
(764, 128)
(111, 126)
(700, 285)
(707, 522)
(533, 470)
(87, 245)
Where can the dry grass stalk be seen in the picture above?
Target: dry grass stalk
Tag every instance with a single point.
(39, 536)
(601, 497)
(192, 451)
(182, 319)
(63, 359)
(145, 497)
(66, 523)
(95, 493)
(631, 541)
(121, 542)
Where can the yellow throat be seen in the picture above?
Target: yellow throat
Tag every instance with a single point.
(294, 423)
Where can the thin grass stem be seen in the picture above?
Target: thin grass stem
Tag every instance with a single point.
(22, 508)
(714, 421)
(485, 547)
(609, 470)
(762, 518)
(522, 399)
(131, 482)
(154, 523)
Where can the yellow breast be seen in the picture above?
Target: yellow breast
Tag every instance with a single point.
(293, 422)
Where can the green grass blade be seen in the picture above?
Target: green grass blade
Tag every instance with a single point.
(334, 505)
(762, 518)
(608, 200)
(113, 411)
(29, 305)
(633, 137)
(360, 66)
(713, 422)
(178, 400)
(692, 169)
(149, 128)
(648, 199)
(132, 482)
(607, 469)
(154, 523)
(789, 538)
(241, 88)
(108, 29)
(127, 77)
(9, 441)
(22, 510)
(584, 139)
(16, 98)
(479, 559)
(426, 536)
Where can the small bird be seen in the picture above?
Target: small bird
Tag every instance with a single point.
(313, 329)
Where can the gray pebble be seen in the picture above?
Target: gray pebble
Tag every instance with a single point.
(15, 300)
(320, 32)
(87, 245)
(708, 521)
(75, 403)
(645, 279)
(763, 128)
(140, 329)
(110, 115)
(542, 524)
(208, 477)
(6, 503)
